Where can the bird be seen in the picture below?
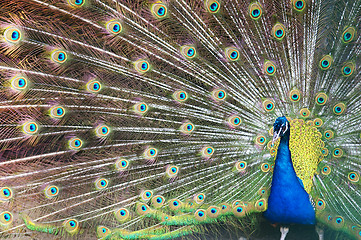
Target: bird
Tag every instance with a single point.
(173, 119)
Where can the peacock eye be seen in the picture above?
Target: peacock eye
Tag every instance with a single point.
(278, 31)
(295, 95)
(219, 94)
(269, 67)
(348, 34)
(5, 194)
(75, 143)
(159, 10)
(142, 66)
(59, 56)
(212, 6)
(76, 3)
(299, 5)
(321, 98)
(325, 62)
(188, 51)
(268, 105)
(71, 225)
(51, 191)
(353, 177)
(150, 153)
(6, 218)
(140, 108)
(12, 35)
(255, 11)
(101, 183)
(30, 128)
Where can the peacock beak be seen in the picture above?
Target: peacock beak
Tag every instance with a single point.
(276, 135)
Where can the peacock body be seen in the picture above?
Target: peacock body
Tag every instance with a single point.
(128, 119)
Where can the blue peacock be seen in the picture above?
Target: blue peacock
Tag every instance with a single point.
(134, 119)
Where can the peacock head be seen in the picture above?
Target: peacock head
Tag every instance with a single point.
(281, 127)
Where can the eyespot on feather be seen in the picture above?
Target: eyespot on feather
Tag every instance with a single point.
(93, 86)
(268, 105)
(219, 94)
(122, 214)
(57, 112)
(326, 170)
(30, 128)
(255, 10)
(59, 56)
(12, 35)
(200, 215)
(320, 204)
(339, 108)
(101, 183)
(172, 171)
(212, 6)
(114, 27)
(337, 152)
(174, 204)
(321, 98)
(140, 108)
(75, 143)
(213, 212)
(299, 5)
(51, 191)
(121, 164)
(265, 167)
(71, 226)
(353, 177)
(207, 152)
(141, 66)
(150, 153)
(328, 134)
(317, 122)
(187, 127)
(180, 96)
(304, 112)
(76, 3)
(159, 10)
(241, 166)
(239, 210)
(348, 35)
(19, 83)
(326, 62)
(5, 194)
(232, 54)
(199, 198)
(6, 218)
(295, 95)
(234, 121)
(261, 205)
(269, 68)
(102, 131)
(103, 231)
(146, 195)
(348, 69)
(158, 201)
(278, 31)
(188, 52)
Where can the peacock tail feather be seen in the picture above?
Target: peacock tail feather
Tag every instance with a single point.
(129, 119)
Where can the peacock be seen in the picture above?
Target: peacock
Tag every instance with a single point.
(179, 119)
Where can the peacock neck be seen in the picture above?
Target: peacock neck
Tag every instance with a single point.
(284, 170)
(288, 201)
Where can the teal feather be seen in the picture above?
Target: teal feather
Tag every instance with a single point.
(154, 120)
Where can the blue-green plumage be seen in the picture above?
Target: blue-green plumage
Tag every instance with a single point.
(288, 201)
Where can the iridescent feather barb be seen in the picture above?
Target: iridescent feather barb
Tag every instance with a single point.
(155, 120)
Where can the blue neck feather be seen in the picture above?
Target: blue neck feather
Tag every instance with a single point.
(288, 201)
